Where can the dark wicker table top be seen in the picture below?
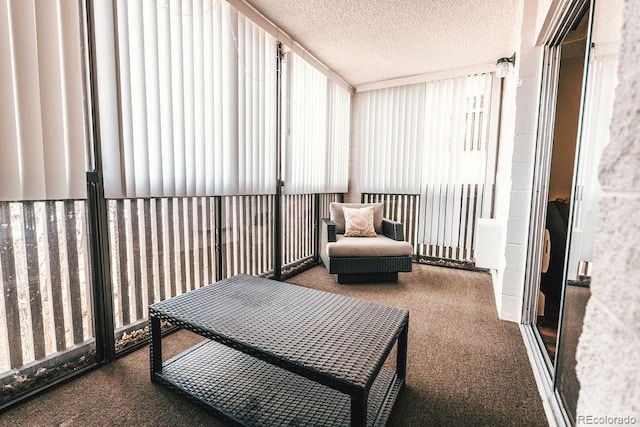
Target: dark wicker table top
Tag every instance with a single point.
(326, 334)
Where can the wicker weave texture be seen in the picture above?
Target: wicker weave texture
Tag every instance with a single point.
(248, 391)
(327, 337)
(369, 264)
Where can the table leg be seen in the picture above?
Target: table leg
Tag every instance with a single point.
(401, 362)
(359, 408)
(155, 347)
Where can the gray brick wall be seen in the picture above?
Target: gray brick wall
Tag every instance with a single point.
(609, 350)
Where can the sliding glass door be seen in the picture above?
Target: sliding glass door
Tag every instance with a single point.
(579, 78)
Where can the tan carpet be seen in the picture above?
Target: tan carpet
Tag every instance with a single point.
(465, 366)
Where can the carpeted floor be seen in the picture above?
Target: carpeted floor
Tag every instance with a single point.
(465, 366)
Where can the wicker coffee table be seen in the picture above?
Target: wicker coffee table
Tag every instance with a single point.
(282, 355)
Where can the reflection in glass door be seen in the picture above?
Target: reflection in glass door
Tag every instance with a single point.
(598, 106)
(568, 190)
(567, 117)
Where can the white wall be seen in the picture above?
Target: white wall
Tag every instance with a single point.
(515, 169)
(608, 353)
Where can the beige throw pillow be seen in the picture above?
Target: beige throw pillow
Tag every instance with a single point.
(336, 215)
(358, 222)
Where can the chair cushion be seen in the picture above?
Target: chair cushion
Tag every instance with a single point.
(367, 246)
(337, 215)
(358, 222)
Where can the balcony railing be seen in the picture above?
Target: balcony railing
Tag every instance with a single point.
(46, 322)
(159, 248)
(448, 220)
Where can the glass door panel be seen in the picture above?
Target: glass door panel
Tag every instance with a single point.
(598, 106)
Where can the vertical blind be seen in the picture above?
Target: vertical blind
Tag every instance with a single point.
(598, 108)
(337, 168)
(306, 143)
(458, 159)
(196, 101)
(42, 130)
(456, 130)
(317, 143)
(430, 139)
(390, 139)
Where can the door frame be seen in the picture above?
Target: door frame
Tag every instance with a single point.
(563, 17)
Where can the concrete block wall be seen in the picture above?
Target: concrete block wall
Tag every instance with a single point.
(608, 353)
(515, 189)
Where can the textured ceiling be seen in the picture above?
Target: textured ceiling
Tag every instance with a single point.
(366, 41)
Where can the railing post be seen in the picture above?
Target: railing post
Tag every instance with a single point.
(219, 229)
(277, 214)
(316, 228)
(100, 268)
(277, 233)
(97, 215)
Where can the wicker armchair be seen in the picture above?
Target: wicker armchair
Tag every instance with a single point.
(364, 259)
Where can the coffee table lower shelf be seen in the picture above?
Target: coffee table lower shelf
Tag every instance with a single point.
(251, 392)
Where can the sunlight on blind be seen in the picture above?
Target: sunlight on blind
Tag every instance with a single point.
(337, 170)
(197, 97)
(455, 131)
(389, 137)
(257, 109)
(456, 182)
(306, 145)
(42, 119)
(430, 139)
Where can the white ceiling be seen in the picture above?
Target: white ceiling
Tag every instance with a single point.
(366, 41)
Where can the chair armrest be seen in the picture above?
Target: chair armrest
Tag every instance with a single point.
(327, 230)
(392, 229)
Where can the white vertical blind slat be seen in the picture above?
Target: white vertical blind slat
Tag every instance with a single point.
(177, 101)
(9, 161)
(208, 88)
(338, 144)
(244, 101)
(229, 67)
(165, 101)
(72, 95)
(199, 78)
(108, 94)
(217, 29)
(139, 135)
(51, 97)
(125, 100)
(26, 78)
(188, 47)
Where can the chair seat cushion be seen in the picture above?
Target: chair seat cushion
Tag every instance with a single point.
(368, 247)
